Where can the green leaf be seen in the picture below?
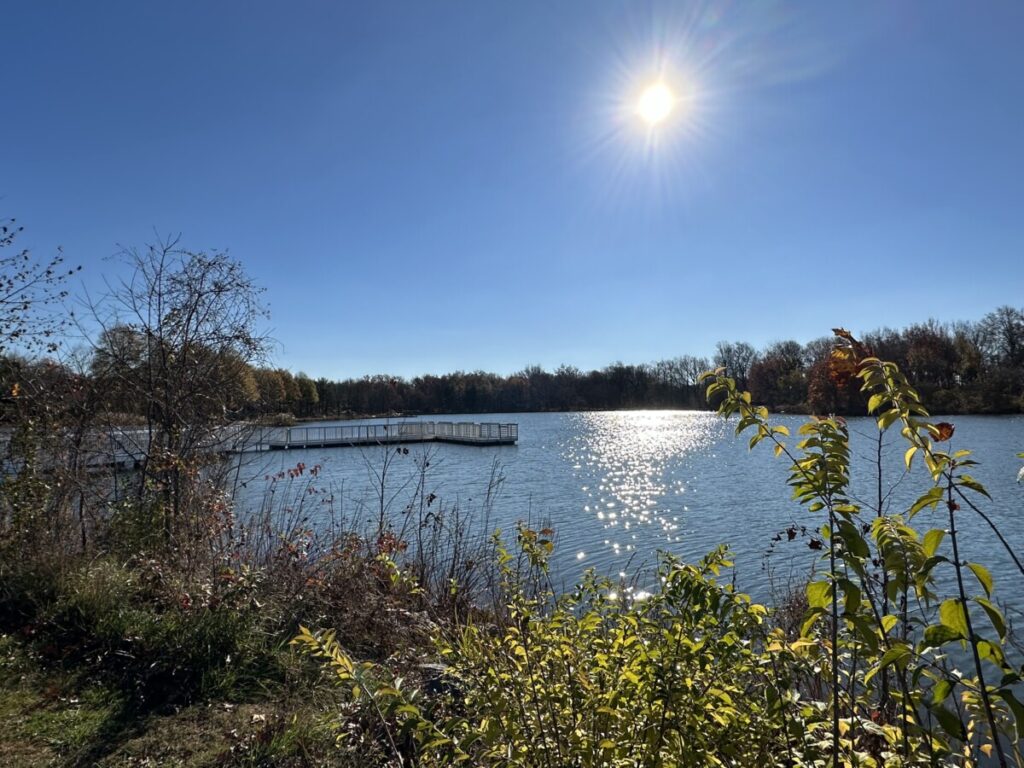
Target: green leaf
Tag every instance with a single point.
(991, 651)
(897, 653)
(852, 593)
(994, 615)
(937, 635)
(908, 457)
(865, 631)
(967, 481)
(812, 617)
(819, 594)
(929, 499)
(886, 419)
(952, 615)
(853, 539)
(983, 576)
(941, 691)
(932, 539)
(931, 562)
(950, 723)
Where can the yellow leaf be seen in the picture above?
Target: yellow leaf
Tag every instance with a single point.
(909, 455)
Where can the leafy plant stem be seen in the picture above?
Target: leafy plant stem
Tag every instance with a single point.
(782, 709)
(972, 637)
(883, 696)
(834, 636)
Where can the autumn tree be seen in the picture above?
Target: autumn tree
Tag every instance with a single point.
(308, 394)
(178, 337)
(270, 388)
(777, 376)
(30, 293)
(40, 399)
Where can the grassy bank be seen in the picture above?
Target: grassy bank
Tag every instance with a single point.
(53, 713)
(106, 663)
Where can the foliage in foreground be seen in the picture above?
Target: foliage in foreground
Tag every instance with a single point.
(588, 679)
(698, 675)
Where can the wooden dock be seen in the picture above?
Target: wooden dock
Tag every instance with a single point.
(460, 432)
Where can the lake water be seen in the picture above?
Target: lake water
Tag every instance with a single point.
(617, 487)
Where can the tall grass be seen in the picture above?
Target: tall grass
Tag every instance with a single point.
(207, 611)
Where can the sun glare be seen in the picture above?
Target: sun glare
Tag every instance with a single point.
(656, 104)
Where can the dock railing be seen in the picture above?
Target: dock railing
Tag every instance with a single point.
(403, 432)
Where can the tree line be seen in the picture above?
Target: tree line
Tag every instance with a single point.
(960, 367)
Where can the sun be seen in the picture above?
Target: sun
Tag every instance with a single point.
(656, 104)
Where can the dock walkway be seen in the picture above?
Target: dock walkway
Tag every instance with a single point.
(461, 432)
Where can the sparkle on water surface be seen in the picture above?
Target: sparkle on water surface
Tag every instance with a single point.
(625, 457)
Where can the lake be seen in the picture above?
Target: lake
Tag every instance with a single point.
(617, 487)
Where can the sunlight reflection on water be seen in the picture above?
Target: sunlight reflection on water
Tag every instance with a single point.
(628, 464)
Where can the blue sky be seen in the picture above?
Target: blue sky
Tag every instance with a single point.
(425, 187)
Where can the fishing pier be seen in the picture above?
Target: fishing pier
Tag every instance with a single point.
(459, 432)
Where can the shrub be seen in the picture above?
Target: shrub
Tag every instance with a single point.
(594, 677)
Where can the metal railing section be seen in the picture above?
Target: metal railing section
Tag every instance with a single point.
(391, 433)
